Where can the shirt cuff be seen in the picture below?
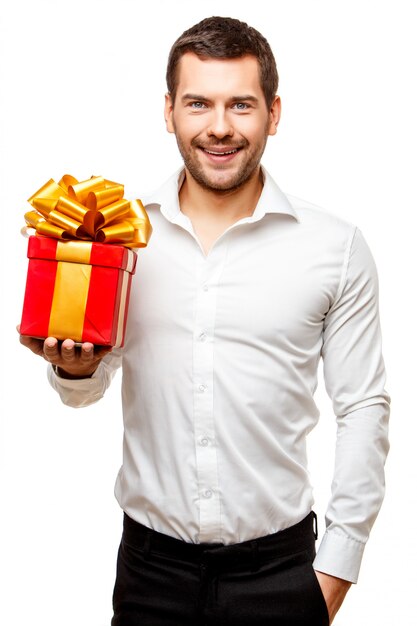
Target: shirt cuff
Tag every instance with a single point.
(339, 556)
(79, 392)
(70, 383)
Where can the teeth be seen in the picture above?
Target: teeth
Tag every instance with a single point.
(221, 153)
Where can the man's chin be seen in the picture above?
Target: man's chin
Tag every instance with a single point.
(219, 184)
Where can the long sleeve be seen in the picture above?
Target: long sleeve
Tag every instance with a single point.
(354, 376)
(86, 391)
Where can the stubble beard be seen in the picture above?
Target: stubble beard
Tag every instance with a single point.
(238, 180)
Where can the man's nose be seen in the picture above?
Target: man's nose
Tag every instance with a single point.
(220, 124)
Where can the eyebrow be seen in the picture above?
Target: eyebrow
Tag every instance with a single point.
(200, 98)
(246, 98)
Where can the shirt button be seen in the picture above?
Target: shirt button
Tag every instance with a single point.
(204, 441)
(201, 388)
(205, 287)
(208, 493)
(203, 336)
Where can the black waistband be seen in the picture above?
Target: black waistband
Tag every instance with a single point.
(294, 539)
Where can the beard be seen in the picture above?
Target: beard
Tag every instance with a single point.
(218, 178)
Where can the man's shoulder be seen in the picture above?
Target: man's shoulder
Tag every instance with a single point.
(312, 215)
(307, 214)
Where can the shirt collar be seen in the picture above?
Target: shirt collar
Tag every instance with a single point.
(272, 199)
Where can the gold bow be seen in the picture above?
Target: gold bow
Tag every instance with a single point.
(92, 210)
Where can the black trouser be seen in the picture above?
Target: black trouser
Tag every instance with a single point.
(162, 581)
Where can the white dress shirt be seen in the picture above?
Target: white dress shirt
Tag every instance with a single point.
(220, 369)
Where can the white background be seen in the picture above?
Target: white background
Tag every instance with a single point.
(82, 86)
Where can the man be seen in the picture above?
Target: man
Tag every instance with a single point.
(239, 294)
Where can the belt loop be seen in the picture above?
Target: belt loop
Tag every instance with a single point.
(315, 526)
(147, 545)
(255, 555)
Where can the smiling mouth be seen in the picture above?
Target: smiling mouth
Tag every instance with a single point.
(221, 153)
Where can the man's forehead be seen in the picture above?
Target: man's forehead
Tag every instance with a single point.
(194, 70)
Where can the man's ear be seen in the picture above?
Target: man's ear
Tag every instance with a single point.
(275, 115)
(168, 112)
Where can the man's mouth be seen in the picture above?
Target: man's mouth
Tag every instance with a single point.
(221, 152)
(220, 155)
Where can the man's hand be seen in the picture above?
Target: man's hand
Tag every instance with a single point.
(334, 591)
(72, 361)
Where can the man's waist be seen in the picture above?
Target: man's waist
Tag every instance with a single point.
(296, 538)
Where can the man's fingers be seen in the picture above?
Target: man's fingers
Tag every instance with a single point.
(91, 354)
(67, 351)
(50, 349)
(87, 353)
(67, 355)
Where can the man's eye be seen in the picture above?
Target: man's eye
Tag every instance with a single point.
(197, 105)
(241, 106)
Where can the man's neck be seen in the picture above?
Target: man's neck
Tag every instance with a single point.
(224, 208)
(212, 212)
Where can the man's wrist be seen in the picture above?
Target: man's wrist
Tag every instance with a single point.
(61, 373)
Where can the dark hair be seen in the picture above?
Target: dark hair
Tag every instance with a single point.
(225, 38)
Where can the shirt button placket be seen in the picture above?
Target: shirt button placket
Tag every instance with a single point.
(204, 431)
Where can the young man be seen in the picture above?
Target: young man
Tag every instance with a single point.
(240, 293)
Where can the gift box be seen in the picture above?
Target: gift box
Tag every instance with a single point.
(77, 290)
(81, 260)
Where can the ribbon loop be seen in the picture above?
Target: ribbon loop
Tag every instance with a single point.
(71, 208)
(102, 197)
(80, 191)
(93, 210)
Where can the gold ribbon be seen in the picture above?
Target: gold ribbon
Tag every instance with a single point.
(90, 210)
(72, 283)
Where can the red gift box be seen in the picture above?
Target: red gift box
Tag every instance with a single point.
(78, 290)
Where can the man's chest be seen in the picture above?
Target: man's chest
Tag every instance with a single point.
(248, 289)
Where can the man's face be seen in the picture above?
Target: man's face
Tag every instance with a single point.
(220, 119)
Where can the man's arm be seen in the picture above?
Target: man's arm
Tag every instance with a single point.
(354, 376)
(80, 374)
